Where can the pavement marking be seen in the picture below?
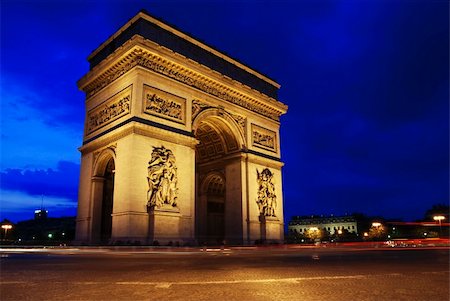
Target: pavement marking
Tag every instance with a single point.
(165, 285)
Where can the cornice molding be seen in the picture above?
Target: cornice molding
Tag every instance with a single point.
(139, 129)
(139, 55)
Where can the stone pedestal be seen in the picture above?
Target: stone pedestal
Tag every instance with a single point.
(164, 225)
(270, 229)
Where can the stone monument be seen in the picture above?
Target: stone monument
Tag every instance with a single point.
(181, 143)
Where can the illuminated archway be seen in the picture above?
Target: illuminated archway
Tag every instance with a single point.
(219, 148)
(103, 197)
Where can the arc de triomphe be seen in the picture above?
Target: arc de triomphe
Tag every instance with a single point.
(181, 143)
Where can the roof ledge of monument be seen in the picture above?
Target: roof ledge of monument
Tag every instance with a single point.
(168, 36)
(139, 43)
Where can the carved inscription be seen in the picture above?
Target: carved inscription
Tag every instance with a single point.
(264, 138)
(267, 200)
(162, 179)
(155, 63)
(112, 109)
(164, 104)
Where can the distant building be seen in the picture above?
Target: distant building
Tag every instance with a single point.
(332, 224)
(45, 231)
(40, 214)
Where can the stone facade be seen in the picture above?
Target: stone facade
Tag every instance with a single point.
(192, 148)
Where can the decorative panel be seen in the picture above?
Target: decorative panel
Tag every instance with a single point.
(164, 104)
(264, 138)
(112, 109)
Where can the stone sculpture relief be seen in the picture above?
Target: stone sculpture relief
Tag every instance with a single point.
(197, 107)
(267, 200)
(264, 138)
(162, 179)
(239, 120)
(162, 106)
(108, 112)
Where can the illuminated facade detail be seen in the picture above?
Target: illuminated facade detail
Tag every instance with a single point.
(197, 107)
(267, 200)
(189, 102)
(164, 104)
(162, 179)
(264, 138)
(142, 58)
(113, 109)
(241, 121)
(96, 155)
(333, 225)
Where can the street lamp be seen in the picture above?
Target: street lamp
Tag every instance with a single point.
(6, 228)
(376, 224)
(439, 218)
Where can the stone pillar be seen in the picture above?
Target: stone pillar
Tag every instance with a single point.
(96, 208)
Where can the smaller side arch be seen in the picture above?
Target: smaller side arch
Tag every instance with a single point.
(101, 161)
(102, 196)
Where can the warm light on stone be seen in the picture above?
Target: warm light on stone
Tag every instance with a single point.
(175, 150)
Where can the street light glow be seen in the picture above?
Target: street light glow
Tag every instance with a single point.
(6, 227)
(438, 217)
(376, 224)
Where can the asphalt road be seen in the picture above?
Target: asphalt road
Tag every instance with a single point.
(251, 274)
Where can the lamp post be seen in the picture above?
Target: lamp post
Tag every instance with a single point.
(439, 218)
(6, 227)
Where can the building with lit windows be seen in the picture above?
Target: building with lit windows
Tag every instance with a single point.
(333, 224)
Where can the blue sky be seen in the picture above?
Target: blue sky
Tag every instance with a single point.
(366, 82)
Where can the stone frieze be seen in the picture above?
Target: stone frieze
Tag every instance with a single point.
(164, 104)
(109, 111)
(171, 70)
(264, 138)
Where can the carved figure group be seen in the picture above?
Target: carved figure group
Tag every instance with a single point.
(162, 178)
(110, 112)
(264, 140)
(267, 200)
(161, 106)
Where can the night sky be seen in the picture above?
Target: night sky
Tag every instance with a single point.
(366, 82)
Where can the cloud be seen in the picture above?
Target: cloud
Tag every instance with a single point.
(16, 205)
(35, 133)
(61, 182)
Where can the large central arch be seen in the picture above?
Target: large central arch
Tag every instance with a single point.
(218, 204)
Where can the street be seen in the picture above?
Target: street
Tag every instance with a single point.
(226, 274)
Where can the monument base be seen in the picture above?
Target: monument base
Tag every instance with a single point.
(270, 229)
(164, 225)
